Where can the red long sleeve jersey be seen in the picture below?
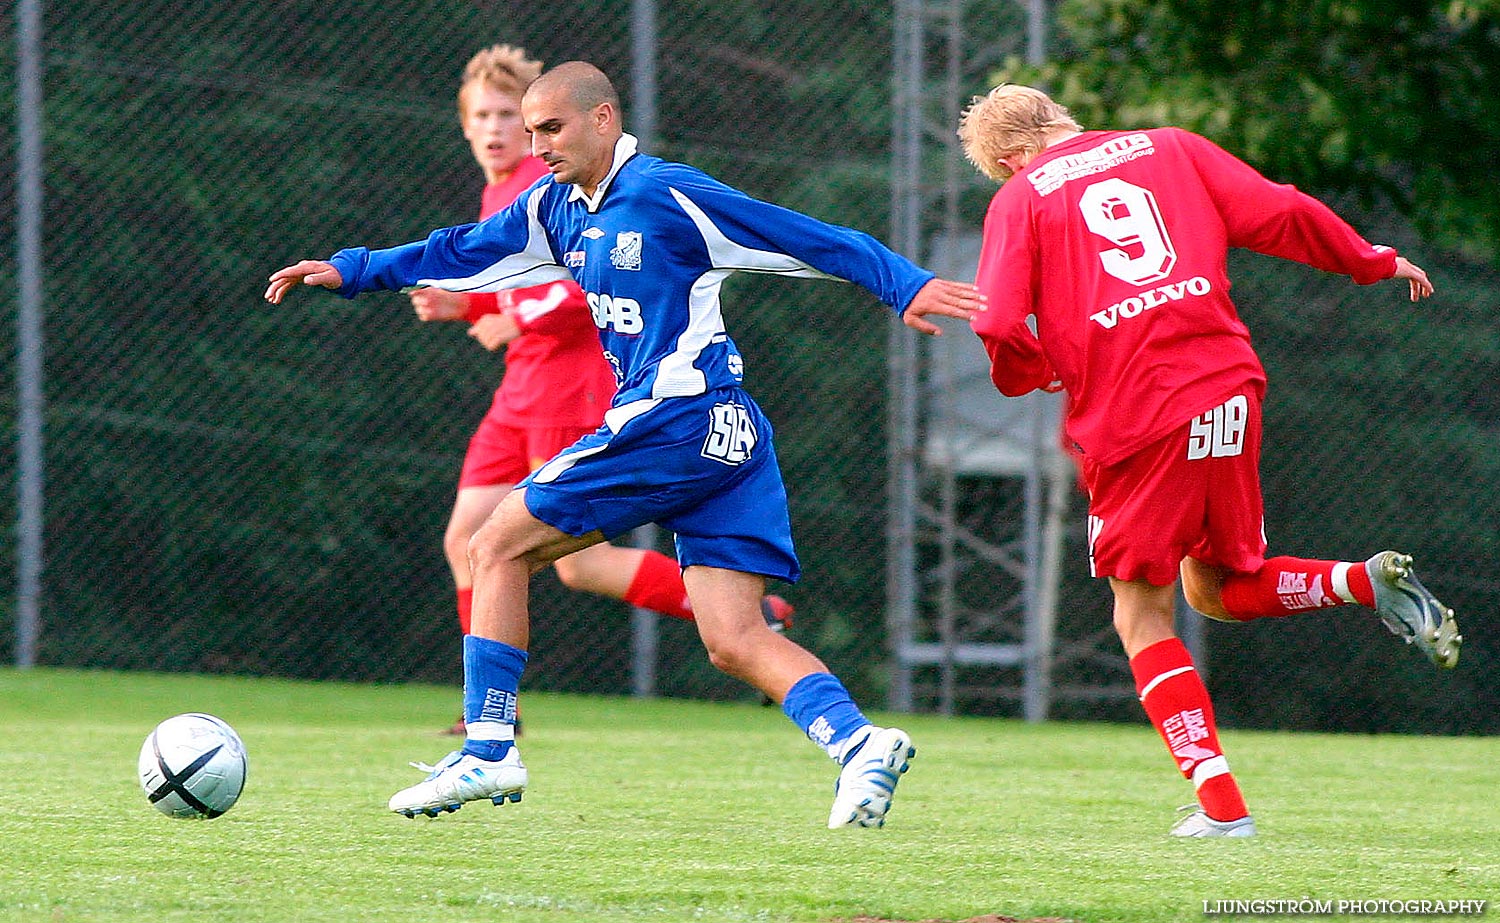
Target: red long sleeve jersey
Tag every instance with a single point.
(1117, 242)
(555, 371)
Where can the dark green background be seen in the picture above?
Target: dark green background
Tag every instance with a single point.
(239, 488)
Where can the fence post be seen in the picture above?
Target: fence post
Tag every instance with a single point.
(29, 406)
(645, 629)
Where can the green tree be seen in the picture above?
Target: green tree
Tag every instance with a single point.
(1389, 100)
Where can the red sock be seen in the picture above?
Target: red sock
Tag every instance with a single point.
(1177, 702)
(1285, 586)
(657, 585)
(465, 607)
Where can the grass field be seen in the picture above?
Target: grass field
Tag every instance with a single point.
(670, 810)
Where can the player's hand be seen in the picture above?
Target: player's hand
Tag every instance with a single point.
(945, 298)
(494, 331)
(1421, 287)
(438, 304)
(310, 272)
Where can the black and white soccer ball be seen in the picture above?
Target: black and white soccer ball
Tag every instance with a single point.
(193, 766)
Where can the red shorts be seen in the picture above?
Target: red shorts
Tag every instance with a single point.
(1195, 493)
(500, 454)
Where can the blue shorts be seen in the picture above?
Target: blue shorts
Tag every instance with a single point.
(703, 467)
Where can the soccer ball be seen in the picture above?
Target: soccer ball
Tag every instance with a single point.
(193, 766)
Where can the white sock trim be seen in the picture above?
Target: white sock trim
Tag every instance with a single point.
(490, 730)
(1161, 678)
(1340, 581)
(1208, 769)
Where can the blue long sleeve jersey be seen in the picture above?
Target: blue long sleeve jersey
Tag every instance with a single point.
(650, 249)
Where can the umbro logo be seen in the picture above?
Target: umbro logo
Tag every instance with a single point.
(593, 233)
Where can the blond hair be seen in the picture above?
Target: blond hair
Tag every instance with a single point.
(499, 67)
(1010, 120)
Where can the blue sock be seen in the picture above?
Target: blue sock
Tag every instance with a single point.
(820, 705)
(492, 677)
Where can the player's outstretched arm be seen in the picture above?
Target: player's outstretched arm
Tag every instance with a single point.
(945, 298)
(311, 272)
(1421, 287)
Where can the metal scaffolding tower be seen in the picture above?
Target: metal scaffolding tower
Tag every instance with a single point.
(980, 489)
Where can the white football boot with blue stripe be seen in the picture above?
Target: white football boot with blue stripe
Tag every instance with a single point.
(863, 792)
(459, 778)
(1410, 611)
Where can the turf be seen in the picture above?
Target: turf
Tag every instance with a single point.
(675, 811)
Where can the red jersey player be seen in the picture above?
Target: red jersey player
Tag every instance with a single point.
(557, 384)
(1116, 243)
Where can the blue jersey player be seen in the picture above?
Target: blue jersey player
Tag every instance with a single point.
(650, 243)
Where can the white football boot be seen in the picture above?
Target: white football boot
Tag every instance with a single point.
(458, 778)
(1198, 824)
(866, 784)
(1410, 611)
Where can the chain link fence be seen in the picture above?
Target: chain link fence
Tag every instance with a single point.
(233, 487)
(239, 488)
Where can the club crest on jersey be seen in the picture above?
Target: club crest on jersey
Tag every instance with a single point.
(627, 250)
